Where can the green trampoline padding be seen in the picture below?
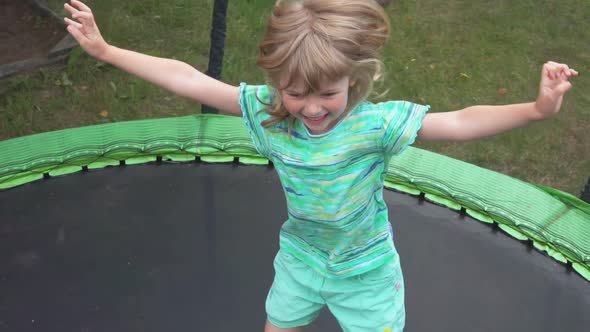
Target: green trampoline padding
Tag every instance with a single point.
(556, 222)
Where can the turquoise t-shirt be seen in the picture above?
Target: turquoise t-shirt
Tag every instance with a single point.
(333, 182)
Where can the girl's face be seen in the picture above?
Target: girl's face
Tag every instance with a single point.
(321, 110)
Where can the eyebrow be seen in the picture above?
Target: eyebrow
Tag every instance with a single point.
(290, 91)
(330, 90)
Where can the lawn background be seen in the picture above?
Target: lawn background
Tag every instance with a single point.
(448, 54)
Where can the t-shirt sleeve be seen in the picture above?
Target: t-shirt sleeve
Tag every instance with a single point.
(401, 122)
(252, 100)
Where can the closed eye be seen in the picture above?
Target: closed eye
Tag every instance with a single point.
(294, 95)
(329, 94)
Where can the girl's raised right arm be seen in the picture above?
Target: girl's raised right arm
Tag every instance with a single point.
(175, 76)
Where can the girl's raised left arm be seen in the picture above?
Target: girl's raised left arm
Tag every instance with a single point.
(482, 121)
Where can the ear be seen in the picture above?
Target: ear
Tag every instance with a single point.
(352, 83)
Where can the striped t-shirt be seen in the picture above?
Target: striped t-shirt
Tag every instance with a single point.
(333, 182)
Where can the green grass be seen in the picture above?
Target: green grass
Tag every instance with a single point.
(449, 54)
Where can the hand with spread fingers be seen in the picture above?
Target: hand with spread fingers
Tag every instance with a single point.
(554, 84)
(84, 29)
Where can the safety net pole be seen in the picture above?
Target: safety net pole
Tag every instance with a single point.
(218, 31)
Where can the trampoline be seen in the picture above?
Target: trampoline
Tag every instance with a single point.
(165, 240)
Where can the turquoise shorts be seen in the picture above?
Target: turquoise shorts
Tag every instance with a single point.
(372, 301)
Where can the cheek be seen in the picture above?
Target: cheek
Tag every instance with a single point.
(292, 106)
(337, 104)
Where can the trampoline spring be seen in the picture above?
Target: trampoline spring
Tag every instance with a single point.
(530, 245)
(495, 227)
(585, 195)
(462, 212)
(569, 267)
(421, 198)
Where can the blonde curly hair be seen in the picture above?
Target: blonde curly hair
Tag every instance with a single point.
(319, 40)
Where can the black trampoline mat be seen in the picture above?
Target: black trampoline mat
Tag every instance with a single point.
(189, 247)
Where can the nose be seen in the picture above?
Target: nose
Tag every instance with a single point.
(313, 108)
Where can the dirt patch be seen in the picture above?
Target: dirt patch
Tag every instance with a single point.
(26, 32)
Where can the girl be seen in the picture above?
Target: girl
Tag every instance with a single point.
(330, 147)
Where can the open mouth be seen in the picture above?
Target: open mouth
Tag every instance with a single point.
(315, 120)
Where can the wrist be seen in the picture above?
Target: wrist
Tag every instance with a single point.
(105, 54)
(536, 112)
